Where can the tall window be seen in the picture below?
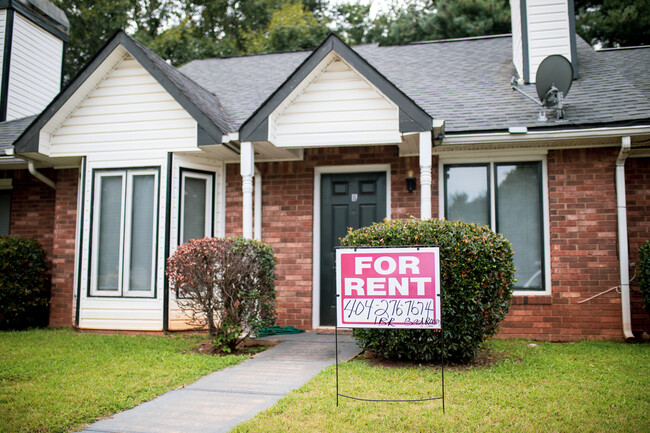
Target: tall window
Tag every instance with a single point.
(124, 232)
(196, 205)
(508, 198)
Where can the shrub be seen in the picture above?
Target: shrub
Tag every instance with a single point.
(477, 279)
(225, 285)
(644, 274)
(23, 290)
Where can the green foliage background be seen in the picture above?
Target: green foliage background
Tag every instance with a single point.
(477, 279)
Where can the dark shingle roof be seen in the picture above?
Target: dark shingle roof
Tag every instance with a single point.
(633, 63)
(206, 102)
(464, 82)
(244, 83)
(11, 130)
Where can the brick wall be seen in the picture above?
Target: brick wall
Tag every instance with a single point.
(48, 215)
(584, 257)
(637, 176)
(65, 225)
(288, 208)
(32, 208)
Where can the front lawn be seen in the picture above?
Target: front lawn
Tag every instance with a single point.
(58, 380)
(589, 386)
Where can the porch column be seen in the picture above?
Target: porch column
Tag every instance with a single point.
(247, 168)
(425, 175)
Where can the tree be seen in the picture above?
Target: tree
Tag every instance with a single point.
(292, 27)
(613, 23)
(352, 22)
(444, 19)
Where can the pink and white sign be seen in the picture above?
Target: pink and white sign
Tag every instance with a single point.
(388, 287)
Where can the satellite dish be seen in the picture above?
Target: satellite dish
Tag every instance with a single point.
(553, 80)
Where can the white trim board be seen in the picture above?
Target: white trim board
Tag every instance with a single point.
(318, 172)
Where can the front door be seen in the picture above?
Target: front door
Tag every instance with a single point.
(347, 200)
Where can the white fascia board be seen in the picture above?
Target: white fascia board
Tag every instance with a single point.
(532, 137)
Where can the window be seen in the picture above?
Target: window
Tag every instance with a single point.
(196, 205)
(124, 232)
(508, 198)
(5, 206)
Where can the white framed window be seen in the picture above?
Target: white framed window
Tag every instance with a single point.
(509, 196)
(124, 227)
(196, 207)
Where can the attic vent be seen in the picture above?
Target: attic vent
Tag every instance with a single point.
(553, 81)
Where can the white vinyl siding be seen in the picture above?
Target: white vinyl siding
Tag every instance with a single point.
(3, 27)
(126, 112)
(35, 69)
(517, 41)
(548, 31)
(334, 106)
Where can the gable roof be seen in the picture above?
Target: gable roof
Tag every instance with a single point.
(465, 82)
(412, 117)
(203, 106)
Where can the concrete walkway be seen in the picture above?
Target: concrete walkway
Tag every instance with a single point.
(218, 402)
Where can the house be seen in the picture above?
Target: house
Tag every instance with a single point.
(134, 157)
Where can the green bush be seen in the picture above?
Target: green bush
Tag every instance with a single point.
(477, 279)
(644, 274)
(23, 291)
(225, 286)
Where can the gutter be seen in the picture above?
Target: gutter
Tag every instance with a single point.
(624, 261)
(38, 175)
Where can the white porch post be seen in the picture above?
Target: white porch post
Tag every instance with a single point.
(425, 175)
(247, 169)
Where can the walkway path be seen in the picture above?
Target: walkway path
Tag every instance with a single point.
(218, 402)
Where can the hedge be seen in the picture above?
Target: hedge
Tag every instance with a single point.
(23, 283)
(644, 274)
(477, 279)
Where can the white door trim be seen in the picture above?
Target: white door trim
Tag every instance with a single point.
(318, 172)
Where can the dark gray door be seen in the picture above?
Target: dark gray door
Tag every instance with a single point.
(347, 200)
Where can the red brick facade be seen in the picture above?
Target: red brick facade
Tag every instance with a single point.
(583, 227)
(584, 261)
(48, 215)
(288, 211)
(65, 225)
(583, 239)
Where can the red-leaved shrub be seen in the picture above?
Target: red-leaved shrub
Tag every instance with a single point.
(225, 285)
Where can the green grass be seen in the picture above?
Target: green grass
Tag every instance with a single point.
(578, 387)
(59, 380)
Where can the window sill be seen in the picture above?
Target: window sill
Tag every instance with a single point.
(531, 300)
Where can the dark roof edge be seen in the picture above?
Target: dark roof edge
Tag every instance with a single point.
(443, 41)
(28, 140)
(412, 117)
(564, 127)
(42, 13)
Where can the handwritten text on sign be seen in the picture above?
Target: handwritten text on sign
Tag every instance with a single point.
(388, 287)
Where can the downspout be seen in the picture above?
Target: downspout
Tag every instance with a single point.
(38, 175)
(622, 238)
(257, 229)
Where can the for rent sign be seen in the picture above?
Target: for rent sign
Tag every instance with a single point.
(388, 287)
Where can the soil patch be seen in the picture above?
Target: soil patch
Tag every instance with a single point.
(246, 347)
